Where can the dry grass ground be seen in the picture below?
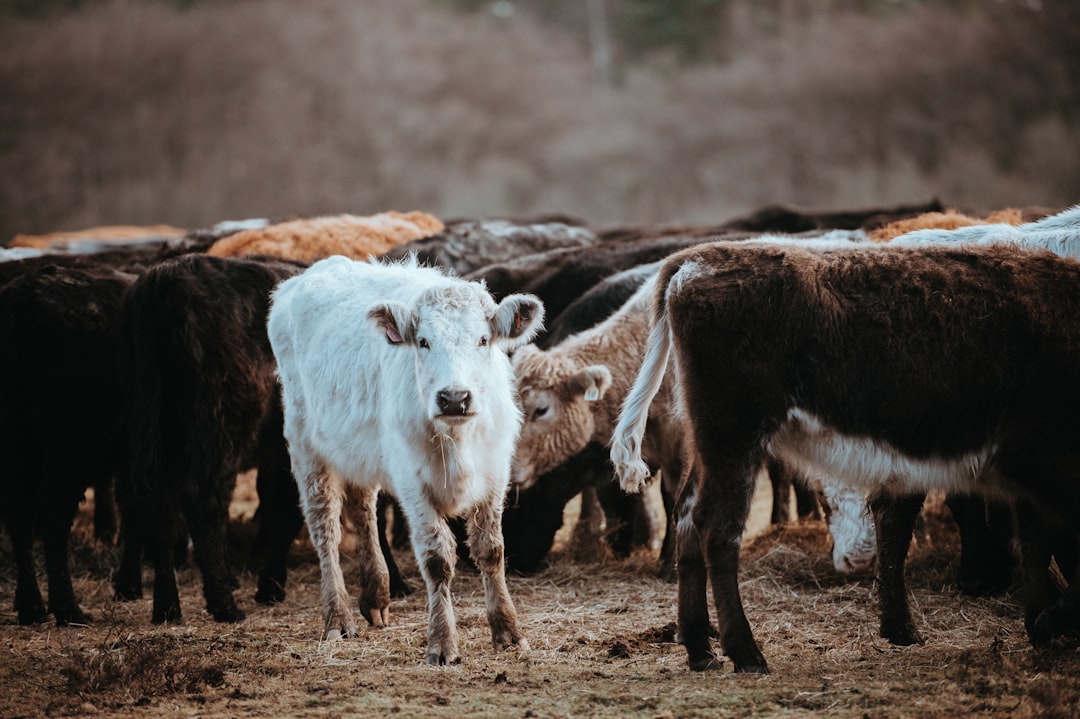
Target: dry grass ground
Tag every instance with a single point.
(602, 646)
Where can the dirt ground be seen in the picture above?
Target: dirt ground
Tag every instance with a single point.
(601, 636)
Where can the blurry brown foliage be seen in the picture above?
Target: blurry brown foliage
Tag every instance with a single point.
(144, 111)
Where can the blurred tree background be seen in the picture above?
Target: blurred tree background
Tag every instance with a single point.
(194, 111)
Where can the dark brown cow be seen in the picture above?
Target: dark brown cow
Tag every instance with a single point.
(899, 370)
(61, 419)
(204, 406)
(778, 218)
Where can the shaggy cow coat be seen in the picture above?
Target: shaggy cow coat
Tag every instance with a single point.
(899, 370)
(396, 376)
(61, 418)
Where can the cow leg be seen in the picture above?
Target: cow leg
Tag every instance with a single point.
(361, 503)
(57, 534)
(435, 548)
(720, 516)
(127, 581)
(669, 488)
(280, 519)
(322, 494)
(398, 586)
(986, 559)
(587, 539)
(894, 520)
(806, 501)
(780, 479)
(28, 604)
(207, 515)
(486, 547)
(1047, 613)
(104, 510)
(162, 530)
(693, 605)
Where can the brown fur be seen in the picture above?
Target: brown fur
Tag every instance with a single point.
(948, 220)
(312, 239)
(936, 352)
(108, 233)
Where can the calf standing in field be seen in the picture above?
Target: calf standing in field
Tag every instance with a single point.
(396, 375)
(899, 370)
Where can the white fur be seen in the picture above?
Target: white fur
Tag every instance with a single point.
(362, 409)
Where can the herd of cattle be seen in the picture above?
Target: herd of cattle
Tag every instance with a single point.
(363, 364)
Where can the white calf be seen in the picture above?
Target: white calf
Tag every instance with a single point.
(396, 376)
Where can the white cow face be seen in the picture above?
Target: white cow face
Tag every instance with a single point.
(557, 399)
(852, 528)
(457, 338)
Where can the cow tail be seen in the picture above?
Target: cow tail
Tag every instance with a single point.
(626, 439)
(141, 375)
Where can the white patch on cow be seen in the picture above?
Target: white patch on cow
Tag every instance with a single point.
(820, 450)
(851, 526)
(832, 240)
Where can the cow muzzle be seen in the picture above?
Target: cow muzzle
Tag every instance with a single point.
(455, 406)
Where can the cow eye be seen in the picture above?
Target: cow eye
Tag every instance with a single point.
(539, 412)
(483, 341)
(424, 344)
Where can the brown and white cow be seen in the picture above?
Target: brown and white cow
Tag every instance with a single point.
(896, 369)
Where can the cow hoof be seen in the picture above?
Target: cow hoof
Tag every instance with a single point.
(168, 616)
(707, 663)
(73, 615)
(507, 639)
(336, 630)
(127, 593)
(436, 658)
(754, 667)
(270, 593)
(227, 615)
(1055, 622)
(377, 617)
(32, 615)
(903, 635)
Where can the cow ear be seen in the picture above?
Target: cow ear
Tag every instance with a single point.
(393, 320)
(517, 320)
(592, 382)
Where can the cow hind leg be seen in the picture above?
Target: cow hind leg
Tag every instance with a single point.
(161, 530)
(207, 515)
(486, 548)
(374, 575)
(720, 516)
(29, 607)
(1048, 613)
(693, 606)
(894, 521)
(280, 519)
(57, 534)
(398, 586)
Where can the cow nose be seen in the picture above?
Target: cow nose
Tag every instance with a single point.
(857, 565)
(453, 402)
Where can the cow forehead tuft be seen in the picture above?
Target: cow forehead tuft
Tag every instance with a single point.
(458, 296)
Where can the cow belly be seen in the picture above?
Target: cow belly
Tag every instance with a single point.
(820, 450)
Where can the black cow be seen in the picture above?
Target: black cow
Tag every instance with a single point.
(61, 416)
